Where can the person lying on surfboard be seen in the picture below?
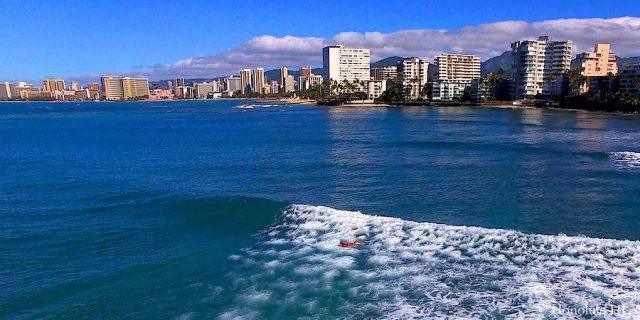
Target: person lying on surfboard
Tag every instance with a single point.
(347, 244)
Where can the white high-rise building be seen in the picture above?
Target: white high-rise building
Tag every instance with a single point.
(537, 65)
(342, 63)
(454, 74)
(413, 73)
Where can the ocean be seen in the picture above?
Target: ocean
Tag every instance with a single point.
(199, 210)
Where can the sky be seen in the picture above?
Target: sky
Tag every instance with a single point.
(160, 39)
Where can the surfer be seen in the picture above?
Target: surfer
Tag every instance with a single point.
(352, 244)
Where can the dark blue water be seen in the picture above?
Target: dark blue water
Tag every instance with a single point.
(198, 210)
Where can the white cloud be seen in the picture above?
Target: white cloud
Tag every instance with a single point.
(485, 40)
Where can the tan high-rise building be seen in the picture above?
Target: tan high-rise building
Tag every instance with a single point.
(53, 85)
(135, 88)
(245, 81)
(94, 86)
(257, 80)
(457, 67)
(597, 63)
(112, 88)
(284, 73)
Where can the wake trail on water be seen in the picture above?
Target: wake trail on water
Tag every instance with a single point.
(625, 159)
(407, 269)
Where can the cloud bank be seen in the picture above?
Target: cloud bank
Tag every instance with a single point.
(485, 40)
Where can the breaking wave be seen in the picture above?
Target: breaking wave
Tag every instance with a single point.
(406, 269)
(626, 159)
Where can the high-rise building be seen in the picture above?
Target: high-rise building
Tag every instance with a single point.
(597, 63)
(75, 86)
(342, 63)
(304, 83)
(275, 86)
(257, 80)
(385, 73)
(233, 84)
(289, 84)
(454, 74)
(245, 81)
(93, 86)
(205, 90)
(284, 73)
(305, 71)
(53, 85)
(537, 65)
(413, 73)
(315, 80)
(135, 88)
(457, 67)
(112, 88)
(180, 82)
(7, 91)
(630, 79)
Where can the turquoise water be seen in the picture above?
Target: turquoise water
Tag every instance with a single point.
(200, 210)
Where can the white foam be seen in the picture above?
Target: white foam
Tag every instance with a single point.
(407, 269)
(626, 159)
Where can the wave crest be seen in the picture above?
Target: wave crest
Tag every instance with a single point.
(409, 269)
(626, 159)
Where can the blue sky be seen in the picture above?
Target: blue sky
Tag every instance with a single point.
(72, 38)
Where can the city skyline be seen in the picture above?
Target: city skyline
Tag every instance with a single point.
(479, 29)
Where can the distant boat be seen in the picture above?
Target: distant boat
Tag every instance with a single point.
(245, 106)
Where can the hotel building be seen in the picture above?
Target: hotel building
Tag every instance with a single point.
(8, 91)
(53, 85)
(342, 63)
(454, 74)
(135, 88)
(537, 65)
(112, 88)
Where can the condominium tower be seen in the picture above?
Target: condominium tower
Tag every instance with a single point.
(454, 74)
(245, 81)
(135, 88)
(597, 63)
(284, 73)
(112, 88)
(451, 66)
(413, 73)
(257, 80)
(537, 65)
(342, 63)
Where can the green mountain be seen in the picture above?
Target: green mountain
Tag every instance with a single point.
(503, 61)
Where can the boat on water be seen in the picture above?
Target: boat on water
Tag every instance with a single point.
(534, 103)
(245, 106)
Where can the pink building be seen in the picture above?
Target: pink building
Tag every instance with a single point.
(161, 94)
